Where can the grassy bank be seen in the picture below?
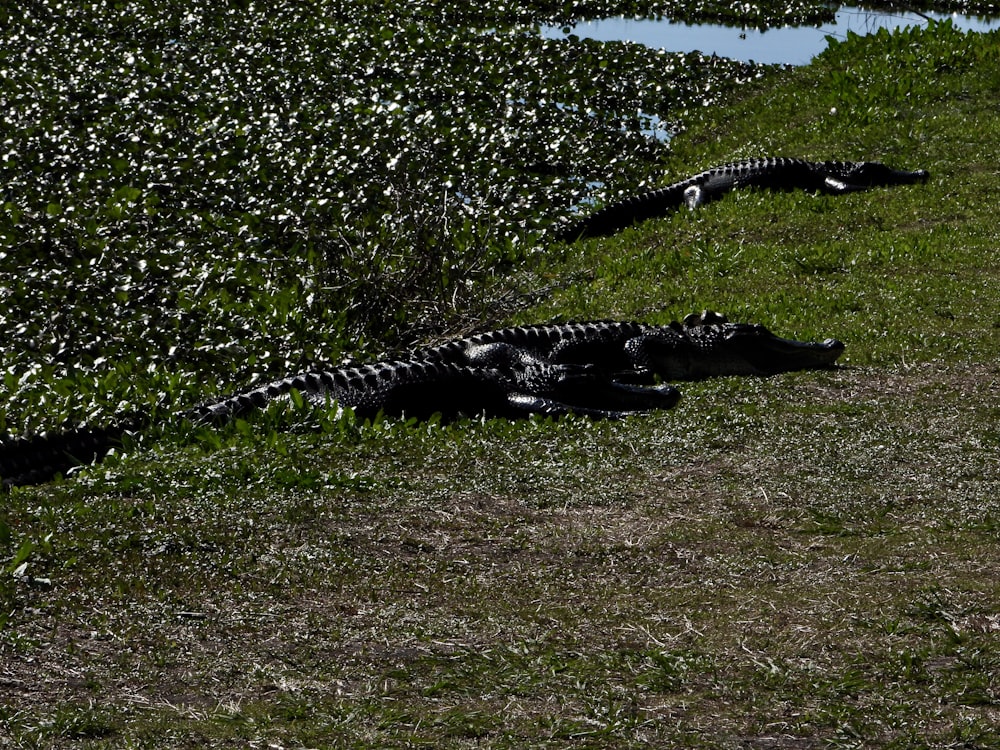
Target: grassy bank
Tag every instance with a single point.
(802, 561)
(904, 275)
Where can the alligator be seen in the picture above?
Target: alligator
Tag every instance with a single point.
(598, 369)
(775, 173)
(497, 380)
(702, 345)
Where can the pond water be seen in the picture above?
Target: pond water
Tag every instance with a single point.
(788, 45)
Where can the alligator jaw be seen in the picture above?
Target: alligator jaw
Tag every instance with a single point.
(855, 183)
(869, 174)
(702, 349)
(586, 390)
(784, 355)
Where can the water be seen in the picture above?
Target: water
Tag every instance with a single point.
(788, 45)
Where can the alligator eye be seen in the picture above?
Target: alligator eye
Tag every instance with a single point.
(694, 319)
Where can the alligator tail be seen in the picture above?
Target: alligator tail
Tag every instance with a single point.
(40, 458)
(616, 216)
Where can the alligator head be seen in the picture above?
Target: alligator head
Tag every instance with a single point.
(708, 345)
(847, 176)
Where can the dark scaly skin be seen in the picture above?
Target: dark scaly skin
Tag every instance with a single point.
(501, 381)
(555, 341)
(702, 345)
(773, 173)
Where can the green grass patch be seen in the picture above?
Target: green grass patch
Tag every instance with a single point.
(872, 268)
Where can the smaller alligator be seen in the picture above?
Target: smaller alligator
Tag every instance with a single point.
(774, 173)
(702, 345)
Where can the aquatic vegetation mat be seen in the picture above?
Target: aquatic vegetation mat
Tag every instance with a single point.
(241, 190)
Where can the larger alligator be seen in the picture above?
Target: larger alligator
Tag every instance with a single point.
(598, 369)
(775, 173)
(702, 345)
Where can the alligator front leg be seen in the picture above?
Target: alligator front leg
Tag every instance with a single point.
(833, 186)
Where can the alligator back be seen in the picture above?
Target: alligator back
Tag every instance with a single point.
(596, 342)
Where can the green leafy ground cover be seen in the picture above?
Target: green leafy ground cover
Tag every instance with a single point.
(205, 196)
(802, 561)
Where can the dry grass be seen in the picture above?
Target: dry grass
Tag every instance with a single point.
(778, 563)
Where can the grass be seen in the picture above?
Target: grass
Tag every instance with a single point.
(803, 561)
(896, 257)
